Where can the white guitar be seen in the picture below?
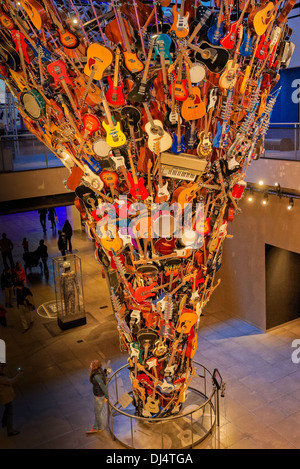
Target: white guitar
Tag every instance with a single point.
(154, 129)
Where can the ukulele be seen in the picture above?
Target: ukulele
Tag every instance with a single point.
(115, 95)
(67, 38)
(131, 60)
(180, 24)
(114, 135)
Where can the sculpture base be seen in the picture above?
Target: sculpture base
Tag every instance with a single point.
(64, 325)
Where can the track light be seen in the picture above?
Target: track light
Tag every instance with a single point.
(291, 203)
(260, 183)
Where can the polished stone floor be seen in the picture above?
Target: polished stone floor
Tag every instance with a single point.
(54, 404)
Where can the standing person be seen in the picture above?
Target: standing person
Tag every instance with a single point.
(7, 284)
(19, 274)
(98, 378)
(52, 217)
(43, 215)
(3, 316)
(62, 242)
(7, 396)
(42, 252)
(6, 247)
(25, 245)
(67, 229)
(26, 308)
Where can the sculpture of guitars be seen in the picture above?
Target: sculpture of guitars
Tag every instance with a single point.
(229, 40)
(67, 38)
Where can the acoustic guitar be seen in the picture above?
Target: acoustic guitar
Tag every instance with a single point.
(36, 12)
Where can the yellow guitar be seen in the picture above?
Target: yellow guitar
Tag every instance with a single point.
(114, 135)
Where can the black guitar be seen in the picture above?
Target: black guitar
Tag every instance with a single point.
(131, 117)
(9, 55)
(140, 93)
(214, 58)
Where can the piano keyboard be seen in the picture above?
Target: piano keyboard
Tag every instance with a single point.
(178, 173)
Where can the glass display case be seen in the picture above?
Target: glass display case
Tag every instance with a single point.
(69, 291)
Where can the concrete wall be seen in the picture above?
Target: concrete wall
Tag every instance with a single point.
(242, 288)
(37, 183)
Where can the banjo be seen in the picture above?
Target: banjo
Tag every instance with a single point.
(34, 104)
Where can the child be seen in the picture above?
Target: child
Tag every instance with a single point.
(2, 316)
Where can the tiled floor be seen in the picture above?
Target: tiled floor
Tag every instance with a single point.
(54, 406)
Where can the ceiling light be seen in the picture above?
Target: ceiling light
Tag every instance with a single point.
(260, 183)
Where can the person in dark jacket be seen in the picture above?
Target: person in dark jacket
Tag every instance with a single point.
(42, 252)
(98, 378)
(52, 217)
(7, 284)
(26, 308)
(7, 396)
(62, 242)
(43, 215)
(67, 229)
(6, 247)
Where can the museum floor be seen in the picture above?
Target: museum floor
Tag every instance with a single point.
(54, 406)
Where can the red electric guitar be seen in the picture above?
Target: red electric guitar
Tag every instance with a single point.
(114, 94)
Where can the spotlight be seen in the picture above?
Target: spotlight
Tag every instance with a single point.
(260, 183)
(75, 21)
(265, 199)
(277, 185)
(291, 203)
(250, 196)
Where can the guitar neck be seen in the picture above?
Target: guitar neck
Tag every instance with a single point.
(107, 111)
(150, 118)
(147, 65)
(124, 32)
(116, 73)
(242, 14)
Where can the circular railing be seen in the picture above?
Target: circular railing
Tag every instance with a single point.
(186, 429)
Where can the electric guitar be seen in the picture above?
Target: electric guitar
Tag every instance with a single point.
(178, 145)
(205, 148)
(173, 115)
(180, 24)
(6, 20)
(229, 40)
(115, 95)
(229, 76)
(131, 60)
(140, 93)
(180, 90)
(66, 37)
(162, 192)
(247, 44)
(215, 32)
(114, 135)
(165, 42)
(137, 186)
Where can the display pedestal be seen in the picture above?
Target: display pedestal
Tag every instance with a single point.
(69, 291)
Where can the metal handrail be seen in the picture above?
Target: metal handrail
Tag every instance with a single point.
(113, 409)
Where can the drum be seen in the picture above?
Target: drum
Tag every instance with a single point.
(34, 104)
(101, 148)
